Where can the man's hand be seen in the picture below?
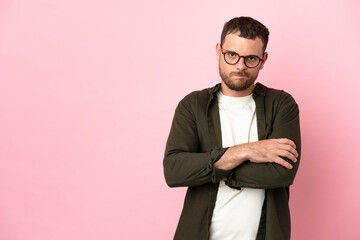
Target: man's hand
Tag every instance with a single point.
(264, 151)
(271, 150)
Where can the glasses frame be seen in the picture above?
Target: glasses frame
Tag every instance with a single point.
(260, 59)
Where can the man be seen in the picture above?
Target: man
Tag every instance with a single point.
(236, 146)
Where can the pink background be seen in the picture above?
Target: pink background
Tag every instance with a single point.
(88, 90)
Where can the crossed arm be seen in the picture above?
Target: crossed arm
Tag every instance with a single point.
(267, 163)
(264, 151)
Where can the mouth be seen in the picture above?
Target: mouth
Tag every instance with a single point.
(237, 75)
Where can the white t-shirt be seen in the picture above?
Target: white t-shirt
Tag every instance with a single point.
(237, 213)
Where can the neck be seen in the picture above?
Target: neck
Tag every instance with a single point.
(232, 93)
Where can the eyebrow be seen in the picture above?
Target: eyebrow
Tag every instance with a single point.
(230, 50)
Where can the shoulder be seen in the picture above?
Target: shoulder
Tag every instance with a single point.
(199, 97)
(194, 104)
(274, 96)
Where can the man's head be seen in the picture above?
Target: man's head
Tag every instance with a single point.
(241, 54)
(246, 27)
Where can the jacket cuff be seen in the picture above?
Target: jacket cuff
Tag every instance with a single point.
(218, 174)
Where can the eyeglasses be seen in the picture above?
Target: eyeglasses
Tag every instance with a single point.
(232, 58)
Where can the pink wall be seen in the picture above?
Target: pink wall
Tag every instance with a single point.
(87, 94)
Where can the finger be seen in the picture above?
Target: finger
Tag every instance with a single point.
(288, 155)
(288, 148)
(282, 162)
(286, 141)
(295, 153)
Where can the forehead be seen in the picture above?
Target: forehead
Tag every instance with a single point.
(244, 46)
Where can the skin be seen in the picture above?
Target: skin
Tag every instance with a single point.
(238, 81)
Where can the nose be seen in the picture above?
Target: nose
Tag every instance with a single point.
(241, 64)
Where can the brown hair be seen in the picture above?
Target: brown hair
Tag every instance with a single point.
(248, 28)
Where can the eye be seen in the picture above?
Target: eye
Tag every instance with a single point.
(231, 54)
(252, 58)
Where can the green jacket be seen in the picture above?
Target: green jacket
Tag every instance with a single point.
(194, 145)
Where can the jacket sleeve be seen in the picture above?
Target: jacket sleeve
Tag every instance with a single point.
(184, 164)
(272, 175)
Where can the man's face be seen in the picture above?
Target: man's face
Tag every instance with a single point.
(238, 77)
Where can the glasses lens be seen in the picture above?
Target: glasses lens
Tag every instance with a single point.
(252, 61)
(231, 57)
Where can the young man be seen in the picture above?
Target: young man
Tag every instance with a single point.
(236, 146)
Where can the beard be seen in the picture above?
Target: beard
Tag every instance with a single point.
(238, 85)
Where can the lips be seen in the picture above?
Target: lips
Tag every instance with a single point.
(239, 75)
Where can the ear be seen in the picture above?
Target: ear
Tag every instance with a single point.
(264, 60)
(218, 51)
